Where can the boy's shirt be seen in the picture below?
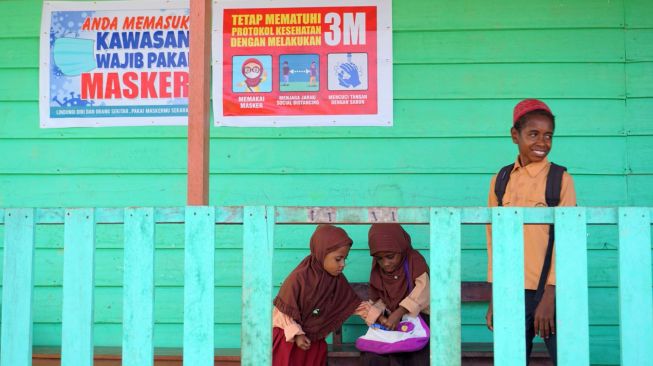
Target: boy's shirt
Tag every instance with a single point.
(526, 188)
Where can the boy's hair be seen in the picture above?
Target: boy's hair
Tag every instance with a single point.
(519, 124)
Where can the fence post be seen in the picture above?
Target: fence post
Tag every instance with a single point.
(635, 303)
(17, 287)
(445, 286)
(78, 281)
(258, 245)
(138, 288)
(572, 325)
(508, 286)
(199, 286)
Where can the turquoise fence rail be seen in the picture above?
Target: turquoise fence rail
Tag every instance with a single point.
(635, 282)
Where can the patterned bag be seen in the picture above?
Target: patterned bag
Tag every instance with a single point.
(412, 334)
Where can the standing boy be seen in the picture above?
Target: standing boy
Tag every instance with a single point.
(313, 75)
(532, 132)
(285, 70)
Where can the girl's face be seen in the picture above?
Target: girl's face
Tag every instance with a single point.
(388, 261)
(334, 262)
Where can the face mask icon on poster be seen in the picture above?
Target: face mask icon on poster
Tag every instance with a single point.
(74, 56)
(254, 73)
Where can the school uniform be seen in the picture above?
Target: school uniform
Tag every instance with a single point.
(408, 286)
(313, 303)
(526, 188)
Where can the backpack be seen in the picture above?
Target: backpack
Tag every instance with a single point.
(552, 196)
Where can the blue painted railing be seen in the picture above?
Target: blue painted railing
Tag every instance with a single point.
(635, 293)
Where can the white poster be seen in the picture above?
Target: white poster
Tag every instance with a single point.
(302, 63)
(114, 63)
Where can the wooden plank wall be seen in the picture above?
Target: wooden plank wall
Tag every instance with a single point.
(459, 69)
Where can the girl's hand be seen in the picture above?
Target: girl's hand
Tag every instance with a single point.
(489, 317)
(395, 318)
(383, 320)
(302, 342)
(363, 309)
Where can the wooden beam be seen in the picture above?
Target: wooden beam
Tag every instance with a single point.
(17, 287)
(572, 311)
(198, 102)
(199, 285)
(258, 250)
(507, 275)
(635, 299)
(445, 261)
(138, 287)
(78, 282)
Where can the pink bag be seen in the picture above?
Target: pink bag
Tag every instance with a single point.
(412, 334)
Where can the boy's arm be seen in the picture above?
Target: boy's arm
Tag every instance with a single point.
(567, 199)
(545, 313)
(544, 322)
(491, 202)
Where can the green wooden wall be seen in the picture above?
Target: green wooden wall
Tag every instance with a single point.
(459, 67)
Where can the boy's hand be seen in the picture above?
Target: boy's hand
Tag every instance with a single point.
(302, 342)
(545, 324)
(488, 317)
(393, 320)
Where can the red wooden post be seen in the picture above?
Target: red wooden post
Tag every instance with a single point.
(198, 102)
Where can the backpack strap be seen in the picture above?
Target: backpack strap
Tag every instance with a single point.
(501, 182)
(554, 184)
(409, 280)
(553, 187)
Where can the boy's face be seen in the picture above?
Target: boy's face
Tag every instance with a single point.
(334, 262)
(388, 261)
(534, 140)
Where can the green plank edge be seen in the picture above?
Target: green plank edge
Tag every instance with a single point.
(572, 318)
(199, 277)
(300, 215)
(635, 295)
(138, 288)
(78, 281)
(258, 245)
(445, 286)
(162, 215)
(508, 286)
(17, 287)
